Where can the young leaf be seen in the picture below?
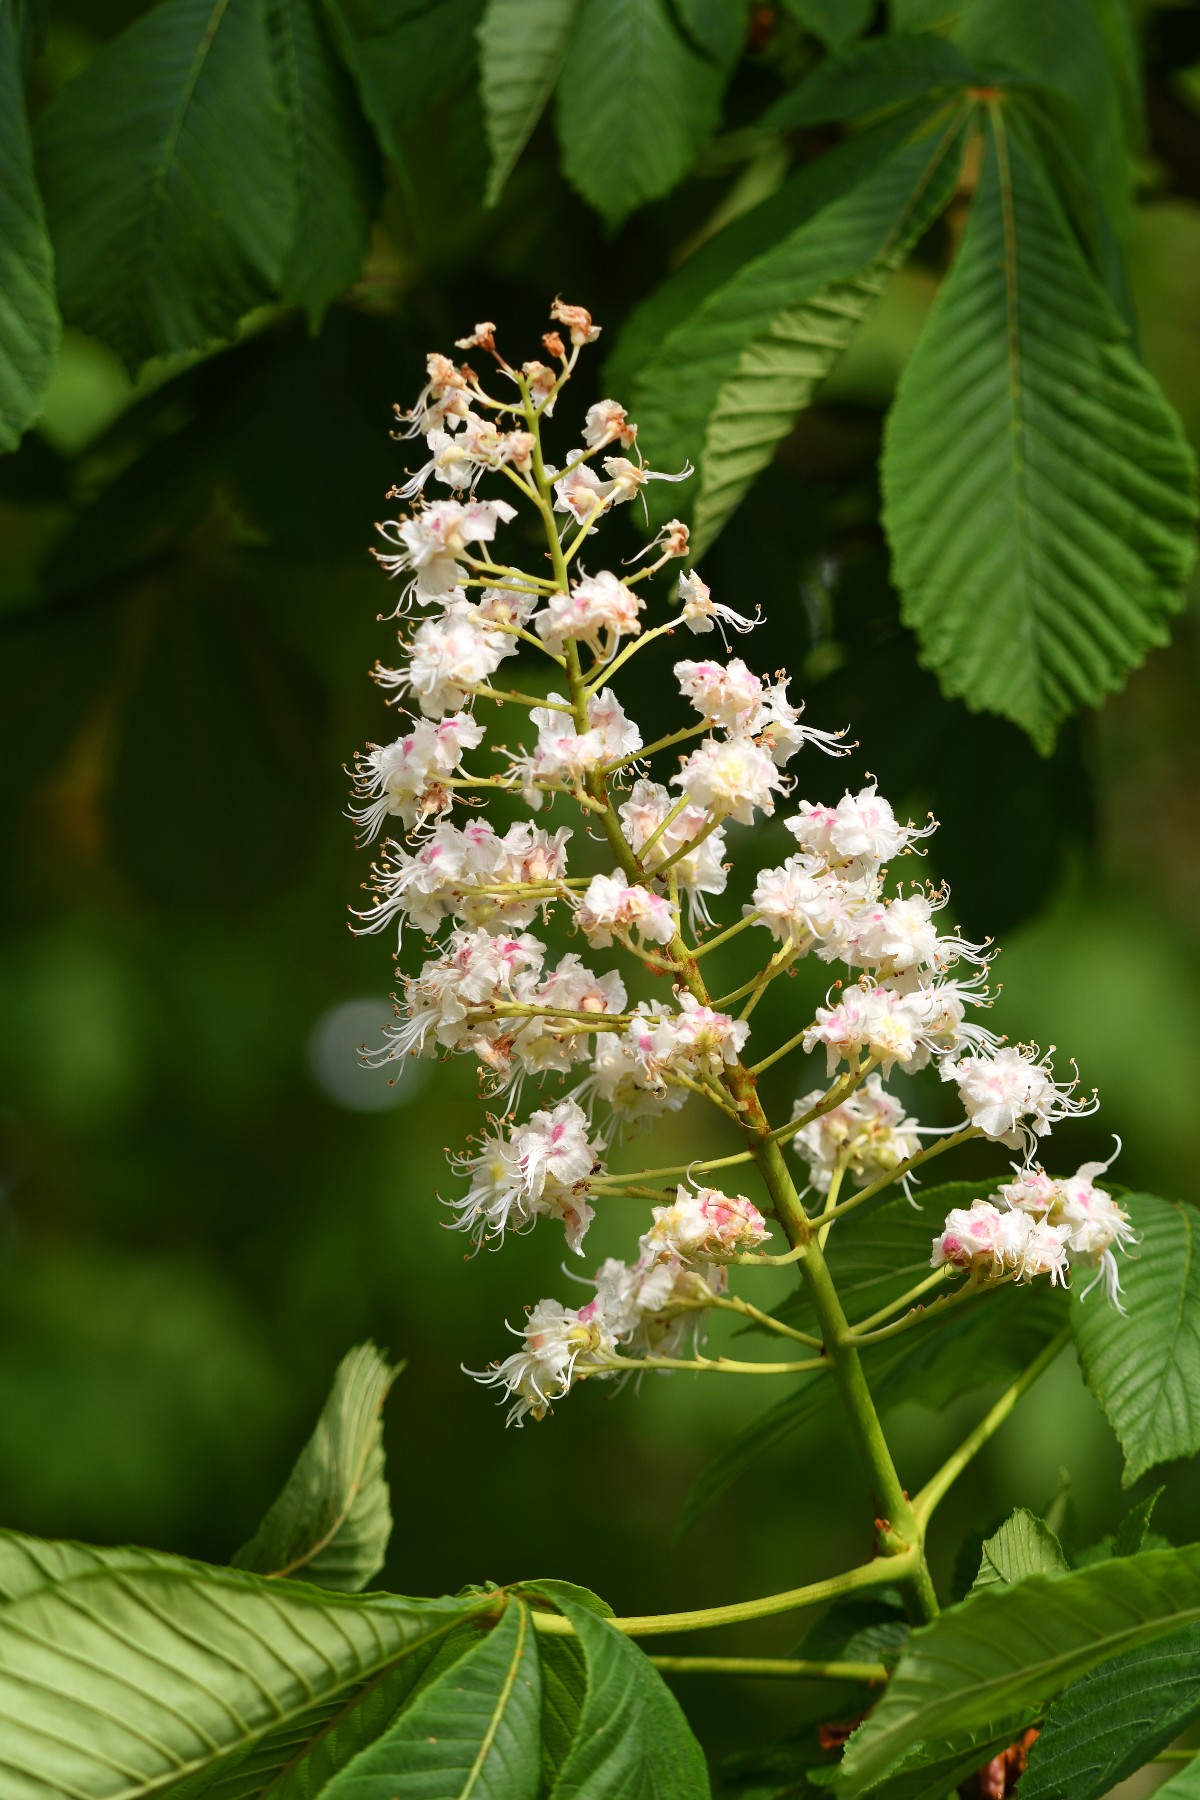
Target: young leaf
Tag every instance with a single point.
(1114, 1720)
(1023, 1546)
(472, 1732)
(631, 1740)
(522, 44)
(636, 101)
(725, 386)
(1144, 1369)
(1038, 489)
(28, 315)
(168, 179)
(336, 161)
(123, 1672)
(1007, 1652)
(332, 1522)
(885, 71)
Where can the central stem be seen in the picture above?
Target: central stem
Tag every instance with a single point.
(897, 1531)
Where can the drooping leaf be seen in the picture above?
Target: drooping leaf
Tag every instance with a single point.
(882, 72)
(1023, 1546)
(1038, 489)
(167, 173)
(835, 22)
(471, 1732)
(336, 161)
(717, 26)
(126, 1672)
(332, 1522)
(724, 387)
(1007, 1652)
(631, 1740)
(522, 44)
(29, 326)
(1106, 1726)
(636, 101)
(405, 59)
(1144, 1368)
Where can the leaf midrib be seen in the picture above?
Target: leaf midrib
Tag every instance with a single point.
(154, 208)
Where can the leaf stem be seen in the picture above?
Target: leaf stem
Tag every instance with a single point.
(940, 1484)
(774, 1667)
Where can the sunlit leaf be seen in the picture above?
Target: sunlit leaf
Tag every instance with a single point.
(1023, 1546)
(332, 1522)
(1144, 1367)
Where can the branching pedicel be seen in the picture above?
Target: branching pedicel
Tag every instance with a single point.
(489, 991)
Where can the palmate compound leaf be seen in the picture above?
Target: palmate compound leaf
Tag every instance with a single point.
(28, 314)
(1144, 1368)
(1106, 1726)
(522, 44)
(727, 379)
(883, 72)
(636, 101)
(332, 1522)
(126, 1673)
(1002, 1655)
(168, 178)
(1038, 491)
(471, 1734)
(337, 165)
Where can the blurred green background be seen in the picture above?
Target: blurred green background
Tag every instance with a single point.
(205, 1200)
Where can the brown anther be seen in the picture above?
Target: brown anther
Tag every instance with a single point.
(553, 344)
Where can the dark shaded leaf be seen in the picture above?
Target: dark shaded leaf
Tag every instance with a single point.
(29, 326)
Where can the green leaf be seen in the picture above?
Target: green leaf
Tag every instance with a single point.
(636, 102)
(631, 1741)
(1131, 1532)
(1184, 1786)
(726, 385)
(1007, 1652)
(1144, 1368)
(718, 26)
(1023, 1546)
(472, 1732)
(1038, 489)
(835, 22)
(29, 326)
(860, 1628)
(336, 162)
(125, 1672)
(332, 1522)
(883, 72)
(522, 44)
(415, 53)
(1114, 1720)
(168, 179)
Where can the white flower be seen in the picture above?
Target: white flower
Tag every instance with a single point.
(557, 1342)
(627, 479)
(726, 694)
(701, 612)
(541, 1169)
(993, 1242)
(631, 1087)
(868, 1135)
(443, 399)
(611, 905)
(429, 544)
(700, 872)
(449, 657)
(969, 1236)
(477, 971)
(730, 780)
(780, 732)
(456, 872)
(860, 832)
(802, 901)
(562, 754)
(402, 779)
(704, 1223)
(578, 321)
(873, 1019)
(1092, 1222)
(596, 606)
(605, 421)
(581, 493)
(898, 937)
(1011, 1096)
